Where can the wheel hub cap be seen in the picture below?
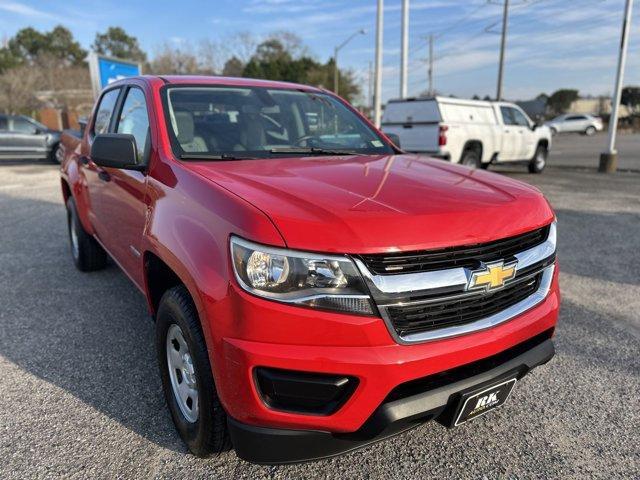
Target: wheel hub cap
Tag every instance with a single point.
(184, 383)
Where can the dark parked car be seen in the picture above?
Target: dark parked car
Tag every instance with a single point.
(23, 137)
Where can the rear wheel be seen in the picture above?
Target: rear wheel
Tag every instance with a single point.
(539, 160)
(591, 130)
(554, 131)
(470, 158)
(87, 254)
(186, 375)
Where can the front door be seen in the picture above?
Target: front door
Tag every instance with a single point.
(118, 197)
(511, 137)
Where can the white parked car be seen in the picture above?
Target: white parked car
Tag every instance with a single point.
(471, 132)
(575, 122)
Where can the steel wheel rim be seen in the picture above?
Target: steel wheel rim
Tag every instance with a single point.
(540, 160)
(75, 244)
(182, 374)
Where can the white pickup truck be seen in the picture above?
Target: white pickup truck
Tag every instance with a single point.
(471, 132)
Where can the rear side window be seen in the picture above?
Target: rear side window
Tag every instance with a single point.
(105, 111)
(134, 119)
(576, 117)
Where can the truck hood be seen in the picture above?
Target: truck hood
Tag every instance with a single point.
(368, 204)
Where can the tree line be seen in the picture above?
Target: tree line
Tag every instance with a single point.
(53, 62)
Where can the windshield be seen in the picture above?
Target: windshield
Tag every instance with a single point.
(245, 122)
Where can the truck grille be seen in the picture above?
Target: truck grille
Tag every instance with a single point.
(459, 310)
(466, 256)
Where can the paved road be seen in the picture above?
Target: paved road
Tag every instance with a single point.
(575, 150)
(80, 395)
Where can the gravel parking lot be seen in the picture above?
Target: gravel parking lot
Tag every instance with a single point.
(81, 397)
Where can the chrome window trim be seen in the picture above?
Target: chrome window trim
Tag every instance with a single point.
(491, 321)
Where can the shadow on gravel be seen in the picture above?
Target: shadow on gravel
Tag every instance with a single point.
(89, 334)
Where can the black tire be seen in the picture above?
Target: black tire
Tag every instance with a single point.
(87, 254)
(591, 130)
(539, 160)
(53, 154)
(207, 435)
(470, 158)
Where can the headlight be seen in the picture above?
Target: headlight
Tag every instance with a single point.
(320, 281)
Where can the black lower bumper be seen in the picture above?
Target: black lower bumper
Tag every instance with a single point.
(275, 446)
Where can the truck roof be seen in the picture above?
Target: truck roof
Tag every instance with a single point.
(216, 80)
(441, 99)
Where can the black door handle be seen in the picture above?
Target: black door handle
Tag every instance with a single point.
(104, 176)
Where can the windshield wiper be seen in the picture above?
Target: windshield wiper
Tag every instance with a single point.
(210, 156)
(314, 151)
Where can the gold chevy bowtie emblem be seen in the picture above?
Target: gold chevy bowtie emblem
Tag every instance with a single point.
(492, 275)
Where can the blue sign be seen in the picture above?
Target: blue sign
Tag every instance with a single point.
(112, 70)
(105, 70)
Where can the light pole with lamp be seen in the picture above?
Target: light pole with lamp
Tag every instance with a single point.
(335, 58)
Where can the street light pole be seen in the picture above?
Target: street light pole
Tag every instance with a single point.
(609, 158)
(377, 102)
(431, 92)
(404, 54)
(503, 42)
(336, 71)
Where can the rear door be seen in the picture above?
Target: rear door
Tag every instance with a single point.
(575, 123)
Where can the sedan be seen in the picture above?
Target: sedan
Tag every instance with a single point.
(23, 137)
(575, 122)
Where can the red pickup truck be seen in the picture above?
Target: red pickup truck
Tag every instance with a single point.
(314, 289)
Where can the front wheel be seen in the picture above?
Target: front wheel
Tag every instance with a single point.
(539, 160)
(186, 375)
(55, 156)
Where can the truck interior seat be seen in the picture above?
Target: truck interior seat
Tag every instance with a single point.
(186, 133)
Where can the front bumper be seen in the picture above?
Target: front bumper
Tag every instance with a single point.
(397, 414)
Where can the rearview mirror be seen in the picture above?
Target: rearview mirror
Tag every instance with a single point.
(115, 150)
(394, 138)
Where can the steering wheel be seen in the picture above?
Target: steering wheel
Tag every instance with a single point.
(298, 141)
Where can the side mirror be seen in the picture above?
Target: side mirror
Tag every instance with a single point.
(534, 126)
(394, 138)
(115, 150)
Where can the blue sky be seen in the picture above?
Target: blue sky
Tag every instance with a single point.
(551, 43)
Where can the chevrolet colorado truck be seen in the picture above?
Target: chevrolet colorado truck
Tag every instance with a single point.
(314, 288)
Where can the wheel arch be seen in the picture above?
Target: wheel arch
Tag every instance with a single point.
(473, 145)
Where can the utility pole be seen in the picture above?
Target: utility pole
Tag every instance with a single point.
(609, 158)
(431, 92)
(404, 54)
(370, 90)
(377, 102)
(503, 41)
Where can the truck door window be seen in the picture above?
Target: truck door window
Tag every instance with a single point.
(23, 126)
(134, 119)
(519, 118)
(4, 125)
(105, 110)
(507, 116)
